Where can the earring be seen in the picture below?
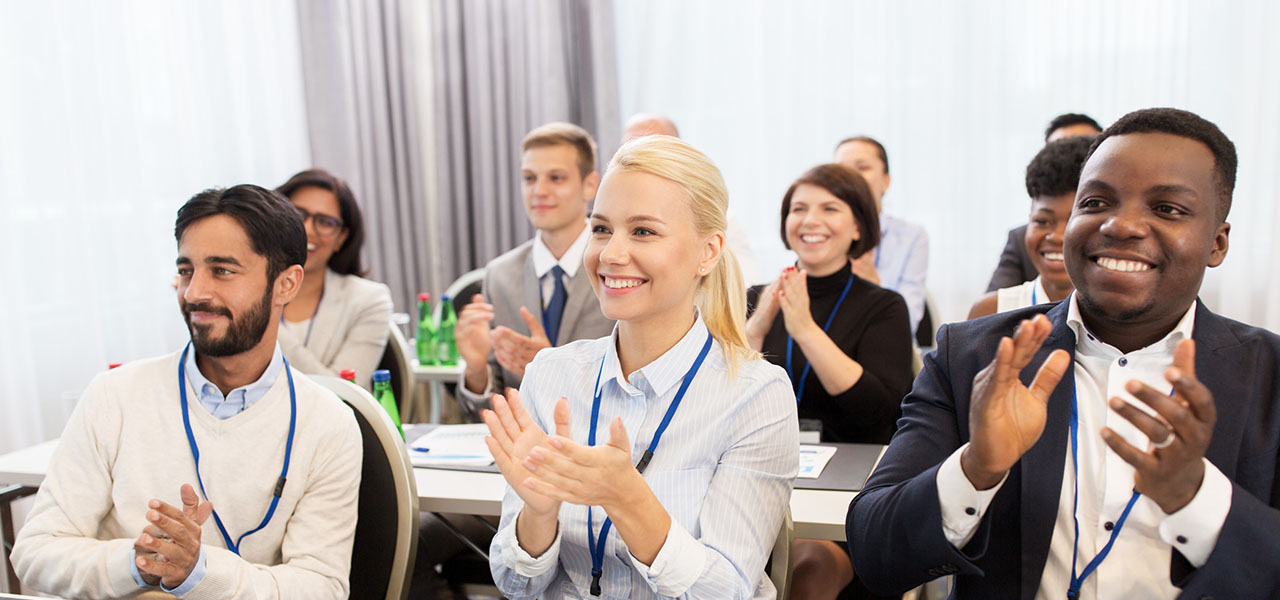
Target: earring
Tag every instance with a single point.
(702, 270)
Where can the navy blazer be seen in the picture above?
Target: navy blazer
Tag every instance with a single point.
(894, 526)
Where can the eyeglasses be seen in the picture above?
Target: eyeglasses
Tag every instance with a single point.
(325, 225)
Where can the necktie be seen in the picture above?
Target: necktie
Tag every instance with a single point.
(555, 308)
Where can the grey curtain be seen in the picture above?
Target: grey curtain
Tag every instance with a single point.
(421, 106)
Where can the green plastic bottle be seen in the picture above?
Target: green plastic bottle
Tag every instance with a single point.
(426, 331)
(446, 349)
(382, 392)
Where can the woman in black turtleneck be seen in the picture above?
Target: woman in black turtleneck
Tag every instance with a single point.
(861, 363)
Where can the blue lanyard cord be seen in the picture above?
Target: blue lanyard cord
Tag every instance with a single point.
(1077, 580)
(195, 453)
(791, 343)
(596, 547)
(1033, 295)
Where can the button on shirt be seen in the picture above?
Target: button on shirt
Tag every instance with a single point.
(221, 407)
(1138, 564)
(723, 470)
(902, 261)
(570, 262)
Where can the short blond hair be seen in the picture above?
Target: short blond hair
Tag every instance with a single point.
(560, 133)
(721, 297)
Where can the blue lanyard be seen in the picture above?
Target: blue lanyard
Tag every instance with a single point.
(195, 452)
(597, 547)
(1033, 295)
(1073, 590)
(791, 343)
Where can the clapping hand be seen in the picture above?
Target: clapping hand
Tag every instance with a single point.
(1006, 417)
(169, 546)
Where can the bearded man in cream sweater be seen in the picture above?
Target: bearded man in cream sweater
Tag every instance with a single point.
(223, 428)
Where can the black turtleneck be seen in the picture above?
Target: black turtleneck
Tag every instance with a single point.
(872, 328)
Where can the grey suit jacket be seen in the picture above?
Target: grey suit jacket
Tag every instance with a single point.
(509, 283)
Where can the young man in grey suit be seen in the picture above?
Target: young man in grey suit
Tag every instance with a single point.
(536, 295)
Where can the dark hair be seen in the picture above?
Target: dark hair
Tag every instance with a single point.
(1188, 125)
(1056, 168)
(884, 156)
(272, 224)
(847, 185)
(1068, 120)
(346, 261)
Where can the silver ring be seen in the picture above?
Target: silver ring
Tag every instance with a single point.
(1165, 442)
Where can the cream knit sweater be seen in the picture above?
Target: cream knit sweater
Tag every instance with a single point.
(125, 444)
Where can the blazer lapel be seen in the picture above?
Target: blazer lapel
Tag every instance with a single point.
(328, 317)
(580, 297)
(1041, 467)
(1223, 365)
(532, 295)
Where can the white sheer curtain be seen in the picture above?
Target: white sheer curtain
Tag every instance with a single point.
(960, 93)
(113, 114)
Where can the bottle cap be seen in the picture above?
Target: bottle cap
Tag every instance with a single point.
(423, 297)
(382, 375)
(348, 374)
(113, 365)
(444, 298)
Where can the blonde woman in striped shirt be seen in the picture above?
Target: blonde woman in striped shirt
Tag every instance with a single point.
(672, 429)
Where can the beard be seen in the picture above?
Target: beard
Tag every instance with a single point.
(242, 334)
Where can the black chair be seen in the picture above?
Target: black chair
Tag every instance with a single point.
(386, 539)
(396, 358)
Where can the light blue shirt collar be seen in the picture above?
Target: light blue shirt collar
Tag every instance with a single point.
(666, 370)
(239, 399)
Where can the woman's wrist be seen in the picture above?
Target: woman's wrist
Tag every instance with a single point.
(536, 531)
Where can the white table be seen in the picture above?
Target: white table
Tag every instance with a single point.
(435, 377)
(818, 514)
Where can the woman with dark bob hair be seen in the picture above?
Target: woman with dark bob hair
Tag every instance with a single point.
(845, 342)
(339, 320)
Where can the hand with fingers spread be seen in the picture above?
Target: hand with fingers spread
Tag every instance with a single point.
(472, 336)
(514, 351)
(1170, 473)
(762, 318)
(1006, 417)
(602, 475)
(512, 435)
(169, 546)
(793, 300)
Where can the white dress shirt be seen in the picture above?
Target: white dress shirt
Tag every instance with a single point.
(1138, 564)
(570, 262)
(723, 471)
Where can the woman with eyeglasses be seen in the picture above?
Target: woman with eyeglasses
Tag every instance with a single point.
(339, 320)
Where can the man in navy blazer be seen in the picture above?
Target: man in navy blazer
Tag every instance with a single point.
(1121, 443)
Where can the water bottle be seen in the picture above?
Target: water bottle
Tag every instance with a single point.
(382, 392)
(446, 349)
(426, 331)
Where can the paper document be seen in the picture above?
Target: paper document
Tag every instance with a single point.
(452, 445)
(813, 459)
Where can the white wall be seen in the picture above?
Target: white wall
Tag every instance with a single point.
(112, 114)
(960, 93)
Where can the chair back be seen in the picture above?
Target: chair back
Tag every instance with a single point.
(396, 358)
(780, 561)
(461, 291)
(386, 540)
(927, 331)
(917, 362)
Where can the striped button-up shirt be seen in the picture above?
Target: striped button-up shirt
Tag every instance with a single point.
(723, 470)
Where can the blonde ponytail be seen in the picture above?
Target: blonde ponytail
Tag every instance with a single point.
(721, 297)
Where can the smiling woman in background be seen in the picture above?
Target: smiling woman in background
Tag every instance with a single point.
(853, 335)
(338, 320)
(697, 516)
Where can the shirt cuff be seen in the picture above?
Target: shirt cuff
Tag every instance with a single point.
(193, 579)
(133, 570)
(962, 504)
(522, 562)
(473, 398)
(677, 566)
(1193, 530)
